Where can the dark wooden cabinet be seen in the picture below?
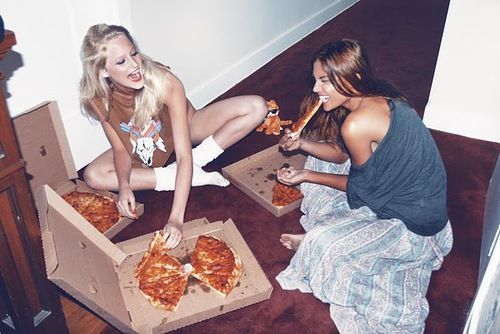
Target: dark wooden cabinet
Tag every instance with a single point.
(29, 302)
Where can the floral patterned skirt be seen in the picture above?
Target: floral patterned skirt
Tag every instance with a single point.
(373, 272)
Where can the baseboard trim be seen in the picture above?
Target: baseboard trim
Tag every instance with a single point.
(223, 81)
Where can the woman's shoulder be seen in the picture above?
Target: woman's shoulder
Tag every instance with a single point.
(371, 120)
(98, 108)
(171, 83)
(355, 127)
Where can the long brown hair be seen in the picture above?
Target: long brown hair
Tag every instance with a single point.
(348, 68)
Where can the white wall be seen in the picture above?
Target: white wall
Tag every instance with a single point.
(213, 49)
(463, 98)
(211, 45)
(48, 37)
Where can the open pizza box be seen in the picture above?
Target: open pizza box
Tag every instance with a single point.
(99, 273)
(256, 175)
(45, 148)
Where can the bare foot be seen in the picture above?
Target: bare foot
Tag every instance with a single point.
(291, 241)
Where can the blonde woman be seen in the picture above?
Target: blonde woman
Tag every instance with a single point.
(146, 117)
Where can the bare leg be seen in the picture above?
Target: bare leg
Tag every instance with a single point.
(100, 174)
(291, 241)
(228, 120)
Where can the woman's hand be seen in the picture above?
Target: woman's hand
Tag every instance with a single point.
(177, 104)
(290, 142)
(291, 176)
(126, 203)
(172, 234)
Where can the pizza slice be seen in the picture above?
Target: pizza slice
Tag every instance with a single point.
(299, 125)
(162, 278)
(216, 264)
(153, 253)
(97, 209)
(282, 195)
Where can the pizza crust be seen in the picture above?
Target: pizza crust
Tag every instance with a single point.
(298, 126)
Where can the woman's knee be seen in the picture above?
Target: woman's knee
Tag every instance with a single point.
(257, 108)
(98, 172)
(93, 178)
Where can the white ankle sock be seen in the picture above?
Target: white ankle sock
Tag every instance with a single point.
(201, 178)
(165, 177)
(207, 151)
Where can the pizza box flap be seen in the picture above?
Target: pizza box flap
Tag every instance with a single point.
(79, 259)
(256, 175)
(44, 146)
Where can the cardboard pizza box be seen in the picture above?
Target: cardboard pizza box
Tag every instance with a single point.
(103, 280)
(256, 175)
(45, 148)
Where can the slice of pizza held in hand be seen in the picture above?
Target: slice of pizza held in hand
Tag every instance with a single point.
(162, 278)
(299, 125)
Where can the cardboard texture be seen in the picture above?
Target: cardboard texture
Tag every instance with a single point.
(256, 175)
(45, 148)
(99, 273)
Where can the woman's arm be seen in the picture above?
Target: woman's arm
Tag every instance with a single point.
(325, 151)
(123, 166)
(177, 107)
(291, 176)
(321, 150)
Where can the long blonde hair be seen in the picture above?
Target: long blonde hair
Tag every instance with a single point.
(94, 86)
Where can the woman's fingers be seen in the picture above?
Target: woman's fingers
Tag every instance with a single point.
(285, 172)
(126, 203)
(283, 141)
(172, 236)
(126, 209)
(290, 142)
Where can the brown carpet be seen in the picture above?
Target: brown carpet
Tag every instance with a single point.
(403, 38)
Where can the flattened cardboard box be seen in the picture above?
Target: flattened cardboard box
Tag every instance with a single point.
(256, 176)
(99, 273)
(45, 148)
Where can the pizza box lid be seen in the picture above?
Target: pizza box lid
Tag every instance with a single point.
(78, 258)
(44, 146)
(256, 175)
(99, 274)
